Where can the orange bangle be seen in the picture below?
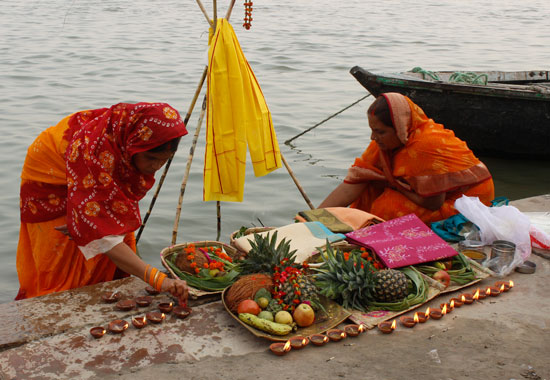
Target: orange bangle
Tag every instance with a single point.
(152, 275)
(145, 274)
(153, 281)
(158, 284)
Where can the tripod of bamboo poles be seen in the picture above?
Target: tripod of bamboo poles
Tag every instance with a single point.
(194, 143)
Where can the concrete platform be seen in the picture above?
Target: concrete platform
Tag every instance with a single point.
(501, 337)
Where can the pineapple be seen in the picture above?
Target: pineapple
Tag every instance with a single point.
(348, 282)
(308, 291)
(390, 285)
(264, 255)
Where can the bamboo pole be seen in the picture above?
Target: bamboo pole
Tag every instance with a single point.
(215, 6)
(219, 216)
(297, 183)
(187, 170)
(229, 10)
(204, 13)
(169, 162)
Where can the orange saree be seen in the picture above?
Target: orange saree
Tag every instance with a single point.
(47, 260)
(431, 162)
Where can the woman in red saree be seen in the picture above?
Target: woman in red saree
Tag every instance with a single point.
(412, 165)
(81, 183)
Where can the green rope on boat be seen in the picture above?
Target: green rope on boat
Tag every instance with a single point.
(456, 77)
(431, 74)
(469, 77)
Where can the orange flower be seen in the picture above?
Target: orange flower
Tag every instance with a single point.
(197, 270)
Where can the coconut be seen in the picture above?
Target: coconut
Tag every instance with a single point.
(245, 288)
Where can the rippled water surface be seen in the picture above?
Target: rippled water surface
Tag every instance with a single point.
(57, 57)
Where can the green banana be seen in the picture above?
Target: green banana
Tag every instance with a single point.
(265, 325)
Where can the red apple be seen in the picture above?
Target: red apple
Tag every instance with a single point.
(443, 277)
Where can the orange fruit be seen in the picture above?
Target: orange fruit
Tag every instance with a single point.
(248, 306)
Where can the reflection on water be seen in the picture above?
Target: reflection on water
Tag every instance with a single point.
(57, 57)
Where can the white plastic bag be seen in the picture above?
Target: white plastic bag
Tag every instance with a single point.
(499, 223)
(540, 229)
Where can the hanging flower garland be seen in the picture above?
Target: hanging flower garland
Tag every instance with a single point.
(247, 14)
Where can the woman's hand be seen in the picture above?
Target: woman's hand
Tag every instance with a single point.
(178, 288)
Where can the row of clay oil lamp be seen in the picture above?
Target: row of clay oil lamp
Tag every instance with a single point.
(299, 342)
(120, 325)
(498, 288)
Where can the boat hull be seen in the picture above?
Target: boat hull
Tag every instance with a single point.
(494, 121)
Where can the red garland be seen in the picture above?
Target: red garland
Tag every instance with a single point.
(247, 14)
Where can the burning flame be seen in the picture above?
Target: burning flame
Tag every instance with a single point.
(463, 299)
(286, 347)
(361, 328)
(511, 283)
(476, 295)
(444, 310)
(343, 335)
(502, 288)
(488, 291)
(325, 339)
(427, 314)
(415, 317)
(393, 324)
(162, 316)
(451, 305)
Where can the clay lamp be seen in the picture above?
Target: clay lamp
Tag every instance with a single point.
(152, 291)
(457, 302)
(420, 317)
(125, 305)
(502, 286)
(144, 301)
(155, 317)
(336, 335)
(181, 311)
(407, 321)
(97, 332)
(493, 291)
(139, 322)
(279, 348)
(298, 342)
(437, 313)
(354, 330)
(319, 339)
(448, 306)
(166, 307)
(387, 327)
(111, 297)
(467, 298)
(118, 326)
(479, 294)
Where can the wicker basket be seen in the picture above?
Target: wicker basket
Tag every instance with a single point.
(248, 231)
(167, 252)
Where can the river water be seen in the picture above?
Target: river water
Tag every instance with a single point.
(59, 56)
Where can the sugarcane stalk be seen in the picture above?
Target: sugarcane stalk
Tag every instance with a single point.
(187, 170)
(204, 13)
(169, 162)
(306, 198)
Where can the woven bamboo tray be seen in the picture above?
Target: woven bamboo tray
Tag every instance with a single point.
(167, 252)
(335, 315)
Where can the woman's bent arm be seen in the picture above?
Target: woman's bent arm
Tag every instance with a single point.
(343, 195)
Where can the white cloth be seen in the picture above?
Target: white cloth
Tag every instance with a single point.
(102, 245)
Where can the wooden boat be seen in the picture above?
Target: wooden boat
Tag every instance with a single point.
(509, 116)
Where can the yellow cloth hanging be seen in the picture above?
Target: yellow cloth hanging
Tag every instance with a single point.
(237, 116)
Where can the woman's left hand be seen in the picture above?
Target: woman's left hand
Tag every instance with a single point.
(178, 288)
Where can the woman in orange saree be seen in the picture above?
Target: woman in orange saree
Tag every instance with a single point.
(81, 183)
(412, 165)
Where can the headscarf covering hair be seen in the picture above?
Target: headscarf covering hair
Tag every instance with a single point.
(103, 187)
